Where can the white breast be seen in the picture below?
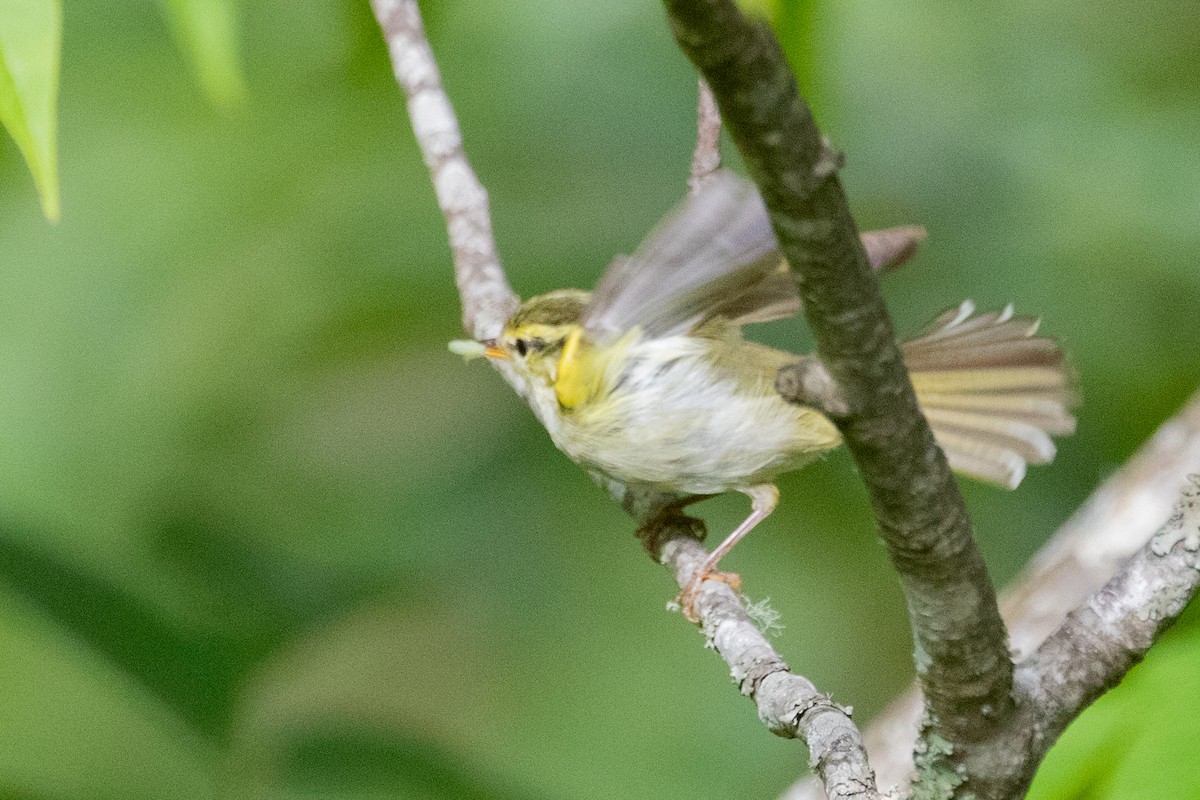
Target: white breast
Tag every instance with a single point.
(671, 421)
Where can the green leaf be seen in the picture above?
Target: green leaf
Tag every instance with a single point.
(30, 42)
(206, 31)
(1138, 739)
(75, 725)
(767, 10)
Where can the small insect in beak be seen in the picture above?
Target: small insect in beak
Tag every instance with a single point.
(468, 348)
(493, 350)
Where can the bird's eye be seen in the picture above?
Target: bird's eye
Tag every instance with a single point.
(522, 348)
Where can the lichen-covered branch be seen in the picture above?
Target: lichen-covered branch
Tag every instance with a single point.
(961, 648)
(1106, 636)
(788, 704)
(1097, 644)
(487, 299)
(1114, 523)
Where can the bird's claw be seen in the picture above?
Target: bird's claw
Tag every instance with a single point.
(691, 592)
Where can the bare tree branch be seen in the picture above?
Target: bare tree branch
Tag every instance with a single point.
(1097, 644)
(788, 704)
(1088, 550)
(487, 299)
(1106, 636)
(1114, 523)
(961, 648)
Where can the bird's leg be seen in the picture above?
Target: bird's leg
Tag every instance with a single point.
(763, 499)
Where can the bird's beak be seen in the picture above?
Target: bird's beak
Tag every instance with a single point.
(493, 350)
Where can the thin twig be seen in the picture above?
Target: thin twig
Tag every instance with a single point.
(707, 156)
(962, 655)
(487, 299)
(788, 704)
(892, 248)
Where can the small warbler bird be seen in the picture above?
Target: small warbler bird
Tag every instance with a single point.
(647, 381)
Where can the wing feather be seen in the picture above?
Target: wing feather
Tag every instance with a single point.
(714, 255)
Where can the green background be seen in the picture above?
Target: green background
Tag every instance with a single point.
(262, 536)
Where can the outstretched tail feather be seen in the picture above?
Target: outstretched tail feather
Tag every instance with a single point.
(1052, 416)
(993, 393)
(1028, 441)
(991, 464)
(987, 353)
(991, 380)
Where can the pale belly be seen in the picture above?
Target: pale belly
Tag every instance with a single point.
(673, 424)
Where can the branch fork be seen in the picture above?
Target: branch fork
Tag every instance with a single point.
(987, 722)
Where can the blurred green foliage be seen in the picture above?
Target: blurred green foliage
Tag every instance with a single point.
(30, 44)
(207, 31)
(261, 536)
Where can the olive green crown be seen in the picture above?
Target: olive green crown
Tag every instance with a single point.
(562, 307)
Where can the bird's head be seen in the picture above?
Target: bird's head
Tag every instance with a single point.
(533, 339)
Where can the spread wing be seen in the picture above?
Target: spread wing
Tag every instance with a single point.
(714, 255)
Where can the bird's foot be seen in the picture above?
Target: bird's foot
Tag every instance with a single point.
(687, 598)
